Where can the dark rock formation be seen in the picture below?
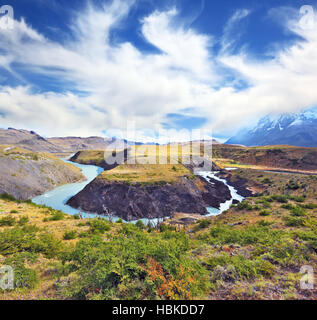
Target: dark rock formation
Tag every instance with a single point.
(133, 202)
(242, 185)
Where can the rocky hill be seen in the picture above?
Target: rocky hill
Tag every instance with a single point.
(134, 192)
(28, 140)
(25, 174)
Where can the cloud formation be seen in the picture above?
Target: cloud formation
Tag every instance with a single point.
(105, 84)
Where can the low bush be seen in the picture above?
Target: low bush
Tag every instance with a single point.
(204, 224)
(298, 212)
(243, 268)
(70, 235)
(23, 221)
(7, 221)
(140, 224)
(280, 198)
(265, 213)
(294, 221)
(244, 205)
(57, 216)
(23, 277)
(134, 265)
(99, 225)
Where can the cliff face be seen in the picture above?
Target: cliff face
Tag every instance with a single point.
(135, 201)
(26, 174)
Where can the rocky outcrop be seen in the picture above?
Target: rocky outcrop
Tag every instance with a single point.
(25, 174)
(135, 201)
(244, 186)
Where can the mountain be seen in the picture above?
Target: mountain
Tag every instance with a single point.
(28, 140)
(297, 129)
(32, 141)
(78, 144)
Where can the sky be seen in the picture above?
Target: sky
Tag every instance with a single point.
(83, 68)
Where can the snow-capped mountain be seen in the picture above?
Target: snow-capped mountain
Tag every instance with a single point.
(298, 129)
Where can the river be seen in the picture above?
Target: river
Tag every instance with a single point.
(58, 197)
(226, 205)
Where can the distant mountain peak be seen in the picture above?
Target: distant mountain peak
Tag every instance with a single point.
(298, 129)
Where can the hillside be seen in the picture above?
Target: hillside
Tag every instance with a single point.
(284, 158)
(26, 174)
(28, 140)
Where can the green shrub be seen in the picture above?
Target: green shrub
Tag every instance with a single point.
(99, 226)
(265, 213)
(82, 224)
(264, 223)
(76, 216)
(57, 216)
(244, 268)
(290, 253)
(7, 221)
(134, 263)
(204, 224)
(140, 224)
(298, 212)
(23, 277)
(166, 227)
(294, 221)
(297, 198)
(70, 235)
(14, 211)
(287, 206)
(266, 204)
(292, 185)
(48, 245)
(280, 198)
(310, 206)
(244, 205)
(23, 221)
(8, 197)
(256, 234)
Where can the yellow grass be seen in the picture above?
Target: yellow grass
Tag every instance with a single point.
(146, 173)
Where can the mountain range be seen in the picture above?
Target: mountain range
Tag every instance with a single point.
(297, 129)
(32, 141)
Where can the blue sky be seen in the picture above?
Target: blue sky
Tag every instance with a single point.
(87, 67)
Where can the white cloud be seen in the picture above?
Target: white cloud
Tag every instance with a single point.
(122, 83)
